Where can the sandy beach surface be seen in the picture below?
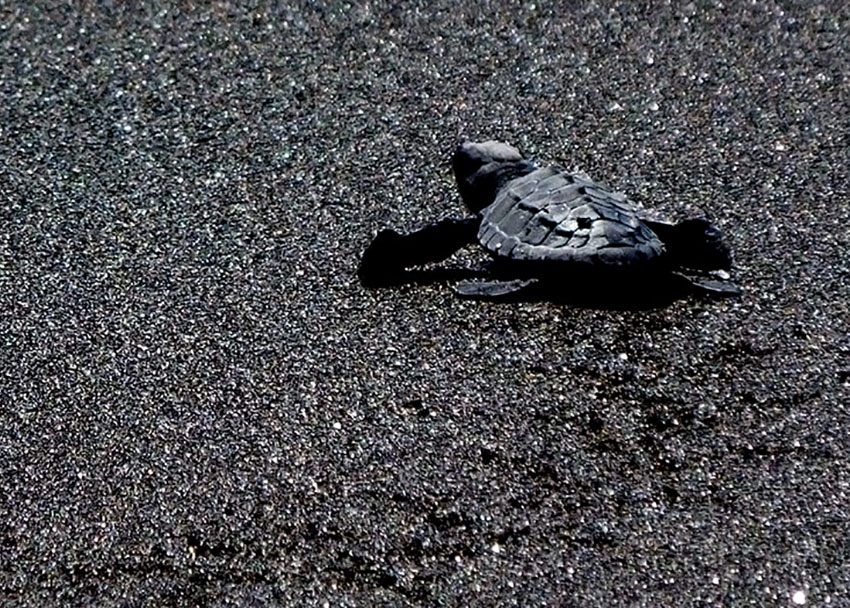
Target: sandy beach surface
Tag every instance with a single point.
(201, 406)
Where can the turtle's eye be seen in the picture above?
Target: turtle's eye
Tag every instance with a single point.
(584, 222)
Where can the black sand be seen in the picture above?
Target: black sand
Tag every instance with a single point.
(201, 406)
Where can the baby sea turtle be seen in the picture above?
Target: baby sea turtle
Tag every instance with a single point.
(548, 228)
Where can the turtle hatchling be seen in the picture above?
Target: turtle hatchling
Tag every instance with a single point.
(552, 230)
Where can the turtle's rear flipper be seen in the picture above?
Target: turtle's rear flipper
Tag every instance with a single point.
(708, 286)
(491, 290)
(694, 243)
(390, 252)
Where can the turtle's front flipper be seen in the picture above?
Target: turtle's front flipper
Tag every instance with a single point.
(390, 252)
(491, 290)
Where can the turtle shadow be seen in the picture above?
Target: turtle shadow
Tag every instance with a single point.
(601, 295)
(603, 299)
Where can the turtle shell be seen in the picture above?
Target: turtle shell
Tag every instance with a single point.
(553, 215)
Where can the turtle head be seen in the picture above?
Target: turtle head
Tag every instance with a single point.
(481, 169)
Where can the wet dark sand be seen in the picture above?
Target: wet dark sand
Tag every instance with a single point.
(201, 405)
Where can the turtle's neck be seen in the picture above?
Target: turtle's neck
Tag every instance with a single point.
(481, 189)
(508, 172)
